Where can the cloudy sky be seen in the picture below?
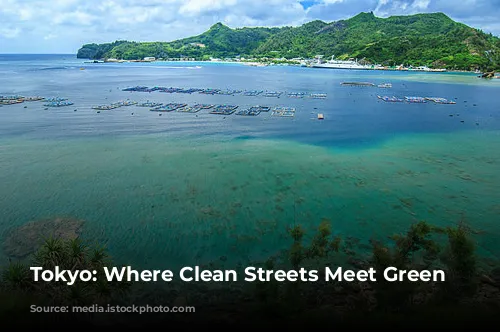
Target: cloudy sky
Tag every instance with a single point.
(62, 26)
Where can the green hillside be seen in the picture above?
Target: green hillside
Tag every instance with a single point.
(434, 40)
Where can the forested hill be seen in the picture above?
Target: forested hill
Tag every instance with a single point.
(434, 40)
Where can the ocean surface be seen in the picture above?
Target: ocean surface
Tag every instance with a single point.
(184, 189)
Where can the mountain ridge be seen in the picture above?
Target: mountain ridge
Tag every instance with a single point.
(431, 39)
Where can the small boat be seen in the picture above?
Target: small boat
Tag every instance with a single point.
(320, 116)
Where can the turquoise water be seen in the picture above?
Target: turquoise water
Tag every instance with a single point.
(182, 189)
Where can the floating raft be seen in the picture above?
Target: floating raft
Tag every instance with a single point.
(204, 106)
(357, 84)
(209, 91)
(318, 95)
(33, 98)
(149, 104)
(105, 107)
(58, 104)
(253, 111)
(189, 109)
(55, 99)
(419, 100)
(283, 111)
(15, 97)
(252, 93)
(296, 94)
(439, 100)
(137, 89)
(272, 94)
(224, 109)
(124, 103)
(10, 101)
(391, 99)
(168, 107)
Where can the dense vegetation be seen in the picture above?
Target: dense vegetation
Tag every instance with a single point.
(433, 40)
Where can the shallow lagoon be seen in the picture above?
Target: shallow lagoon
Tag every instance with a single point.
(190, 188)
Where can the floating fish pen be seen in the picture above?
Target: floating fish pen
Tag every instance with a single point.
(296, 94)
(189, 90)
(385, 85)
(168, 107)
(260, 108)
(391, 99)
(272, 94)
(252, 93)
(10, 101)
(224, 109)
(11, 97)
(169, 90)
(55, 99)
(105, 107)
(149, 104)
(252, 111)
(156, 88)
(283, 111)
(318, 95)
(357, 84)
(209, 91)
(124, 103)
(137, 89)
(229, 92)
(58, 104)
(34, 98)
(189, 109)
(203, 106)
(438, 100)
(419, 100)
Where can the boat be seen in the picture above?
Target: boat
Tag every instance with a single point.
(318, 95)
(385, 85)
(189, 109)
(339, 64)
(283, 111)
(320, 116)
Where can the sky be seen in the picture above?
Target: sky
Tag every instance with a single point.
(62, 26)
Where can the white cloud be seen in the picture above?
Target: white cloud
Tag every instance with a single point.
(63, 25)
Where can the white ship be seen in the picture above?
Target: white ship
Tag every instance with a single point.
(339, 64)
